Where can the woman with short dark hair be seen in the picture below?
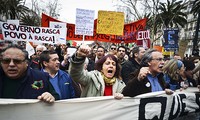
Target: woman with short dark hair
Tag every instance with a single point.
(104, 81)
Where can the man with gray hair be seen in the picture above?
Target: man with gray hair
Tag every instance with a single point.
(149, 78)
(35, 61)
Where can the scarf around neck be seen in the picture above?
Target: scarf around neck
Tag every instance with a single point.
(108, 81)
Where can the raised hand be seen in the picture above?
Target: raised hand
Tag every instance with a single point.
(83, 51)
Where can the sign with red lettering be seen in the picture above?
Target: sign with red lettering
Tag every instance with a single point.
(63, 31)
(143, 35)
(29, 33)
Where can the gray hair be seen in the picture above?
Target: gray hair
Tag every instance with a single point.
(16, 47)
(41, 46)
(147, 57)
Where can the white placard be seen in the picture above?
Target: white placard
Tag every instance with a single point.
(63, 31)
(30, 33)
(84, 22)
(71, 51)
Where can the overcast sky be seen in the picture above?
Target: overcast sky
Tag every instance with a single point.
(68, 7)
(68, 11)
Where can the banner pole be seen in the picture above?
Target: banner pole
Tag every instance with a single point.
(83, 39)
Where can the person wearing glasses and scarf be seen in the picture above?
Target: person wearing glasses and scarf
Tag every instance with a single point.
(149, 77)
(104, 81)
(19, 81)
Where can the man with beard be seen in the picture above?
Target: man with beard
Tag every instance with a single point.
(149, 78)
(133, 63)
(121, 52)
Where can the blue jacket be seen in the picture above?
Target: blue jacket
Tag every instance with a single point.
(65, 85)
(34, 83)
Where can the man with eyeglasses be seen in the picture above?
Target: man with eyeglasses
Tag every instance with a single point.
(149, 78)
(19, 81)
(113, 49)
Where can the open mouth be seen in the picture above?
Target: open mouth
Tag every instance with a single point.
(110, 71)
(160, 66)
(11, 71)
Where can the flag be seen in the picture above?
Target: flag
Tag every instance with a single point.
(30, 49)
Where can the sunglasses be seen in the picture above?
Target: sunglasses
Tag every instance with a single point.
(15, 61)
(113, 48)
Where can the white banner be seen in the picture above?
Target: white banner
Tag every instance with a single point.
(157, 106)
(29, 33)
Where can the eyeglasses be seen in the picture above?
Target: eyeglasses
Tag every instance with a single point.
(15, 61)
(39, 51)
(113, 48)
(158, 59)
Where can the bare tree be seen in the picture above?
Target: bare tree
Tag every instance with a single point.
(50, 7)
(143, 8)
(53, 8)
(130, 7)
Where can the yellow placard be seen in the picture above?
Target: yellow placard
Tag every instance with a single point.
(110, 22)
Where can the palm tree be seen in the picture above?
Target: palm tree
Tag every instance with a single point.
(12, 9)
(171, 14)
(196, 11)
(30, 19)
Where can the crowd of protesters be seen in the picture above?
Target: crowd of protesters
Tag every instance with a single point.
(53, 74)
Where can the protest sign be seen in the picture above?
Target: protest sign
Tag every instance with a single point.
(61, 38)
(110, 22)
(171, 38)
(29, 33)
(129, 35)
(84, 22)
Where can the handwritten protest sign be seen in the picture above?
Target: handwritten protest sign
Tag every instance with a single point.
(29, 33)
(110, 23)
(84, 22)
